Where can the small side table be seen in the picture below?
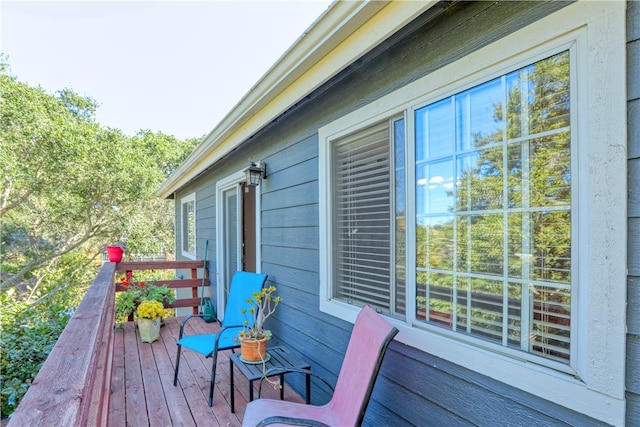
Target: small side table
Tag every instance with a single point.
(281, 363)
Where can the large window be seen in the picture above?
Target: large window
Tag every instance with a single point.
(188, 226)
(493, 210)
(476, 207)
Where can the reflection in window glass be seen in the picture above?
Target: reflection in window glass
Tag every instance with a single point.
(494, 243)
(480, 180)
(434, 126)
(479, 116)
(435, 186)
(400, 217)
(189, 226)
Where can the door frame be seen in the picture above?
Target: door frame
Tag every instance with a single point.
(229, 182)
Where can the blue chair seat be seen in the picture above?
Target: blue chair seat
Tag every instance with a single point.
(204, 344)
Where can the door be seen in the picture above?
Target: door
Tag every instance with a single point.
(231, 234)
(237, 237)
(249, 229)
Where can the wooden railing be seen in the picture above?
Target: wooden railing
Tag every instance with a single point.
(192, 282)
(74, 384)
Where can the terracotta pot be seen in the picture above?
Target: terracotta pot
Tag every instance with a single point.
(253, 350)
(114, 253)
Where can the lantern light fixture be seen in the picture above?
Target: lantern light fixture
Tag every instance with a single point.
(255, 173)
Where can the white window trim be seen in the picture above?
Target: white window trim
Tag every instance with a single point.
(597, 31)
(186, 199)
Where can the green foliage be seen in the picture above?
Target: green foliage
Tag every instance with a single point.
(125, 305)
(262, 304)
(28, 333)
(69, 187)
(70, 183)
(138, 291)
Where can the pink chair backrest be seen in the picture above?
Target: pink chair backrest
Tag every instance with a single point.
(369, 340)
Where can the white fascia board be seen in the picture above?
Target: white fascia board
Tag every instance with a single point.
(343, 33)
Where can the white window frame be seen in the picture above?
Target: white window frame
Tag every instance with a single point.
(190, 198)
(595, 33)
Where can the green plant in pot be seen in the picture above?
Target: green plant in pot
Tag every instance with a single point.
(138, 291)
(253, 337)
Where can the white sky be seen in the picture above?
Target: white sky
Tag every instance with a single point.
(175, 67)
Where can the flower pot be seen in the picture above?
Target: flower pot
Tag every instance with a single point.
(149, 329)
(114, 253)
(253, 350)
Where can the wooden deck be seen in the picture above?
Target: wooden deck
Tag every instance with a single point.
(142, 390)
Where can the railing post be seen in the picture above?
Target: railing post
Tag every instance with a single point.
(194, 290)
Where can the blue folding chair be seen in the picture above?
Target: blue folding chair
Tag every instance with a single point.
(243, 285)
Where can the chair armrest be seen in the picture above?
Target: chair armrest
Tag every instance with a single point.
(291, 421)
(285, 370)
(189, 317)
(224, 328)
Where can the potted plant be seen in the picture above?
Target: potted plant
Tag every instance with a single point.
(136, 292)
(149, 314)
(253, 337)
(115, 252)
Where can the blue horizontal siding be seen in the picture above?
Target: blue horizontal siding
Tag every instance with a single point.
(633, 211)
(293, 236)
(298, 195)
(293, 216)
(414, 387)
(301, 259)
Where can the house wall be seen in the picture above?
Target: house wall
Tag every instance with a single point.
(633, 286)
(414, 388)
(205, 194)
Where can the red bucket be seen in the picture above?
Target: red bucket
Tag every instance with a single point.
(114, 253)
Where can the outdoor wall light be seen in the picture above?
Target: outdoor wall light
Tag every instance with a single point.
(255, 172)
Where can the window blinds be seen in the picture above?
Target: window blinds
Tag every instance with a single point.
(362, 215)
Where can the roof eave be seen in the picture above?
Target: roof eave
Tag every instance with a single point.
(343, 33)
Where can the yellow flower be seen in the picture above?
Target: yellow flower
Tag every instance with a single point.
(150, 309)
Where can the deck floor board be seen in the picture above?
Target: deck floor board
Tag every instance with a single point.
(142, 390)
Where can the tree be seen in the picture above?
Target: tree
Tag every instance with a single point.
(148, 227)
(68, 182)
(69, 186)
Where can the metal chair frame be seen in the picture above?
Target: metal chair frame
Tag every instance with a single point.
(243, 285)
(369, 340)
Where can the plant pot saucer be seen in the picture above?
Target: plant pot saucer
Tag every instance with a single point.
(255, 362)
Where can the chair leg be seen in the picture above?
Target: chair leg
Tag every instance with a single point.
(213, 377)
(175, 375)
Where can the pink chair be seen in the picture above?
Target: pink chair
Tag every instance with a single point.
(369, 340)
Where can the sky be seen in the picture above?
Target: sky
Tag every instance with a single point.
(174, 67)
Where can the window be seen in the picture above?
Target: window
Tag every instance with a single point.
(468, 207)
(188, 229)
(493, 210)
(362, 208)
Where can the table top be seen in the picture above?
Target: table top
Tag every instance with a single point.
(280, 358)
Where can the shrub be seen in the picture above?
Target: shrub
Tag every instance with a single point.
(28, 334)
